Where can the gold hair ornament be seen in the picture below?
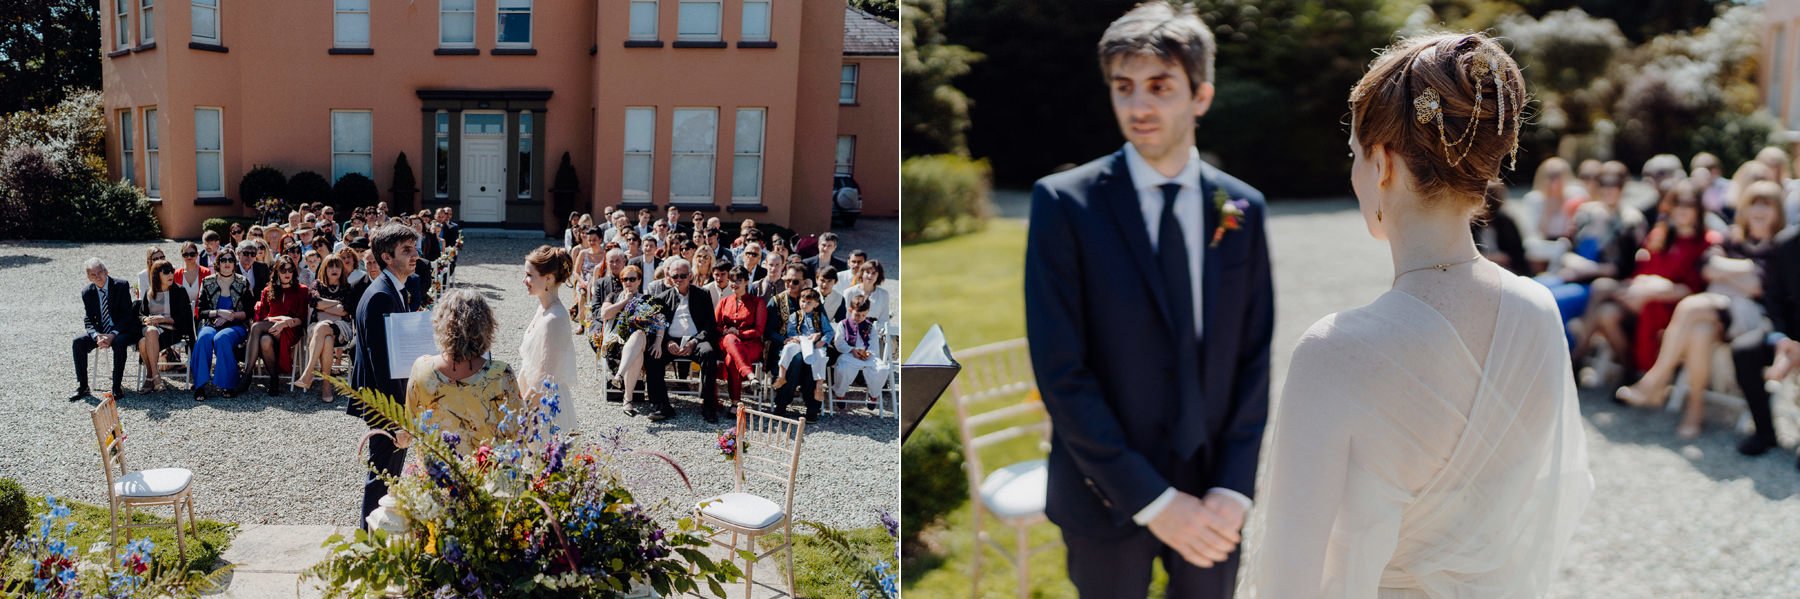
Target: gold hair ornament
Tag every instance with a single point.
(1428, 108)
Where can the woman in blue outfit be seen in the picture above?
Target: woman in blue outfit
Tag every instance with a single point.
(223, 309)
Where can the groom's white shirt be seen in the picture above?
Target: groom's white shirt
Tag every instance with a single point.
(1189, 214)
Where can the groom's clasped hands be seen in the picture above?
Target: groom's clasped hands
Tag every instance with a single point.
(1204, 531)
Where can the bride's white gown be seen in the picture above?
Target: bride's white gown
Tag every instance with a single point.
(1400, 467)
(548, 350)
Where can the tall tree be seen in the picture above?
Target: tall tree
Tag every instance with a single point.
(936, 114)
(48, 49)
(886, 9)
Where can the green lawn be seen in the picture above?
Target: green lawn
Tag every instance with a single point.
(820, 573)
(93, 525)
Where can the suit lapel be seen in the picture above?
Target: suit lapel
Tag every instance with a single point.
(1120, 196)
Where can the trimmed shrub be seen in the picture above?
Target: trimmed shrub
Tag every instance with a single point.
(405, 187)
(931, 463)
(260, 183)
(306, 187)
(15, 509)
(31, 185)
(115, 211)
(943, 196)
(353, 190)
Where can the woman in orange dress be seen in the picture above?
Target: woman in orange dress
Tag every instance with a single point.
(741, 317)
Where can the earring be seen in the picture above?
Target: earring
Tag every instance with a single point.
(1377, 215)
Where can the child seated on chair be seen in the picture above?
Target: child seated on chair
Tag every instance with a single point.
(806, 332)
(856, 345)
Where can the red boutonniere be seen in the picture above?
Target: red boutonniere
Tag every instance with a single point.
(1231, 215)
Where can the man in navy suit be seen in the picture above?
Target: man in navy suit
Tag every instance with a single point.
(1149, 307)
(112, 323)
(396, 249)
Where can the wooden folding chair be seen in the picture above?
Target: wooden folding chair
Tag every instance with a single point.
(126, 490)
(767, 446)
(1013, 494)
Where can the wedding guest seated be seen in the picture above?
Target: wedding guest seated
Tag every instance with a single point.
(1606, 235)
(1709, 177)
(151, 255)
(859, 352)
(631, 325)
(853, 268)
(1497, 235)
(692, 337)
(868, 284)
(280, 317)
(1729, 312)
(1781, 300)
(829, 297)
(741, 318)
(1554, 197)
(111, 323)
(224, 306)
(719, 285)
(463, 391)
(333, 299)
(804, 338)
(168, 319)
(209, 241)
(1669, 271)
(236, 235)
(827, 256)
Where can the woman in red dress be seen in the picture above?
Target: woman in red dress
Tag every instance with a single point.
(1670, 270)
(741, 317)
(283, 305)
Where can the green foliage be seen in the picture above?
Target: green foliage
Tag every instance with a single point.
(353, 190)
(1672, 84)
(931, 463)
(935, 112)
(115, 211)
(306, 187)
(833, 562)
(1734, 138)
(49, 49)
(261, 183)
(223, 225)
(40, 199)
(886, 9)
(15, 511)
(942, 196)
(68, 541)
(405, 187)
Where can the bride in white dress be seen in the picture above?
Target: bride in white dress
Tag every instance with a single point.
(548, 349)
(1428, 444)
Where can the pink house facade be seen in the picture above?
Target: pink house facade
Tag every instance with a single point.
(722, 106)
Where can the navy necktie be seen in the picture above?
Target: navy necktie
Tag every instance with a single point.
(105, 310)
(1172, 257)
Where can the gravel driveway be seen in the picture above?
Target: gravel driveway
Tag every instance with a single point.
(292, 460)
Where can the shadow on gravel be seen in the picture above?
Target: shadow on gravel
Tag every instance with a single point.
(16, 261)
(162, 405)
(1714, 454)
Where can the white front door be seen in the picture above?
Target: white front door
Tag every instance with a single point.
(483, 179)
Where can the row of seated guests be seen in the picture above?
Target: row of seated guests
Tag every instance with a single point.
(1668, 287)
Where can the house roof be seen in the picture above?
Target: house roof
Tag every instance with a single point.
(868, 35)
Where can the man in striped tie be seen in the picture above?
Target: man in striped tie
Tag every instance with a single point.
(112, 323)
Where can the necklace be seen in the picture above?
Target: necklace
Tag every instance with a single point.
(1441, 267)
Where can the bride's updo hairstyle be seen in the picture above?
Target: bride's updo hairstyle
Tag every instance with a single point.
(553, 261)
(1450, 105)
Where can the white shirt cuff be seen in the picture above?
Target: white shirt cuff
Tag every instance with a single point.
(1144, 516)
(1234, 495)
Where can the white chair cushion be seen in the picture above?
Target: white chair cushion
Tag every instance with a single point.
(1017, 490)
(153, 483)
(744, 510)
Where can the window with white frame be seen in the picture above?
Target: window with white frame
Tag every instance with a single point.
(350, 23)
(756, 21)
(696, 134)
(209, 153)
(456, 23)
(205, 16)
(845, 164)
(147, 22)
(643, 19)
(127, 150)
(442, 166)
(514, 27)
(698, 21)
(152, 156)
(640, 153)
(122, 31)
(847, 84)
(525, 125)
(747, 157)
(352, 143)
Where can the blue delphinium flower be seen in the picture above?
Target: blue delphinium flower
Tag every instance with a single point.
(892, 525)
(451, 439)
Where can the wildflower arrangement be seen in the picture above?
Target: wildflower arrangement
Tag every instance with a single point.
(56, 571)
(640, 314)
(525, 515)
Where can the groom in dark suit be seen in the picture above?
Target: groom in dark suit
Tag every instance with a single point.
(1149, 307)
(396, 249)
(112, 324)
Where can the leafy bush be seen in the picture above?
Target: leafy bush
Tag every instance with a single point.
(31, 184)
(115, 211)
(943, 196)
(353, 190)
(306, 187)
(405, 187)
(1734, 138)
(261, 183)
(931, 463)
(1674, 83)
(15, 510)
(223, 225)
